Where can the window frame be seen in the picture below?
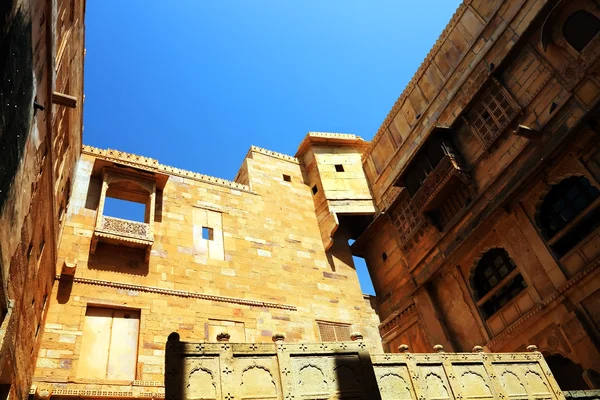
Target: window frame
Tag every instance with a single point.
(567, 18)
(552, 237)
(333, 325)
(481, 300)
(487, 134)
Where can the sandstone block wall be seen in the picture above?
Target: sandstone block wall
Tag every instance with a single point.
(273, 275)
(39, 143)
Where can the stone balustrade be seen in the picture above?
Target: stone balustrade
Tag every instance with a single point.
(123, 227)
(336, 370)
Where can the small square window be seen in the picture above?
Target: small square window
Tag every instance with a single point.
(339, 168)
(287, 178)
(315, 189)
(207, 233)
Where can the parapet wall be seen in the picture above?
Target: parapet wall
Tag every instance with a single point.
(331, 370)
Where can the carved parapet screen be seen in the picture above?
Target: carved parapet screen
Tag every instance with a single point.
(346, 370)
(123, 231)
(126, 228)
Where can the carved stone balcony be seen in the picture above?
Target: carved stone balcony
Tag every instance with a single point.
(121, 231)
(439, 184)
(127, 229)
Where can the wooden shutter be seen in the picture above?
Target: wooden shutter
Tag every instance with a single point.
(93, 359)
(122, 359)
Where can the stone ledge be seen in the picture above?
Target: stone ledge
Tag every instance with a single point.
(180, 293)
(420, 71)
(582, 394)
(151, 164)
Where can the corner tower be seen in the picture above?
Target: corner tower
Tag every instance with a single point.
(343, 200)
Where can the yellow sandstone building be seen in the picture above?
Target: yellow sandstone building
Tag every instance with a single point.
(476, 207)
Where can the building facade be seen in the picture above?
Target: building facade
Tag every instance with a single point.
(207, 257)
(41, 99)
(475, 206)
(486, 182)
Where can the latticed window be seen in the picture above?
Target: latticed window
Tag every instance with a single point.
(406, 219)
(492, 114)
(452, 206)
(580, 28)
(496, 281)
(334, 332)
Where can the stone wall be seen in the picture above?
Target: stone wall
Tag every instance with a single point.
(495, 57)
(347, 370)
(272, 276)
(34, 169)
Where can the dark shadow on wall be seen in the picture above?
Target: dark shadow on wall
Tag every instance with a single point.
(121, 259)
(568, 375)
(341, 371)
(16, 93)
(354, 378)
(174, 369)
(65, 286)
(158, 206)
(93, 193)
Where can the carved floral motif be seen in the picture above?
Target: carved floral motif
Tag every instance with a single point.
(118, 226)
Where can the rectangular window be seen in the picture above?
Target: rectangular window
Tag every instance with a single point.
(334, 332)
(287, 178)
(207, 233)
(110, 344)
(339, 168)
(124, 209)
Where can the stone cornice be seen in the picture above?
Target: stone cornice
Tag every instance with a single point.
(152, 165)
(274, 154)
(519, 324)
(420, 71)
(180, 293)
(340, 139)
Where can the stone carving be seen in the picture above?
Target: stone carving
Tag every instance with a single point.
(257, 382)
(473, 383)
(435, 387)
(312, 371)
(512, 384)
(393, 387)
(201, 384)
(125, 227)
(312, 380)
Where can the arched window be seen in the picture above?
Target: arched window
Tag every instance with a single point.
(496, 281)
(564, 202)
(580, 28)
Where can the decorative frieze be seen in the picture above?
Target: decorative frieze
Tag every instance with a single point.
(400, 317)
(180, 293)
(347, 370)
(125, 227)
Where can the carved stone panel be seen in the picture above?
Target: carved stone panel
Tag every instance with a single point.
(345, 370)
(202, 378)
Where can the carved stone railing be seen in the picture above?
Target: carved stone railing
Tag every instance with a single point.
(122, 231)
(337, 370)
(401, 317)
(442, 174)
(124, 227)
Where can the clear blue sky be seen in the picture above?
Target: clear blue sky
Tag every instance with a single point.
(194, 83)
